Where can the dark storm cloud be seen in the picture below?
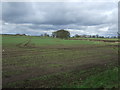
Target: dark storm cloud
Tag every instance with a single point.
(55, 13)
(87, 17)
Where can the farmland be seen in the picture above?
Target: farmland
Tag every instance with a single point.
(46, 62)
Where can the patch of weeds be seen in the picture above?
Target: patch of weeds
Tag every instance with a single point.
(105, 79)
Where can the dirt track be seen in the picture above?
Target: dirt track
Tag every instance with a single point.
(97, 40)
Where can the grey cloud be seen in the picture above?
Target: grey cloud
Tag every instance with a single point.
(54, 13)
(89, 17)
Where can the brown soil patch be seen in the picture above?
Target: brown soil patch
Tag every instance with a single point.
(98, 40)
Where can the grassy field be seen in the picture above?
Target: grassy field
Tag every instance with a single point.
(42, 62)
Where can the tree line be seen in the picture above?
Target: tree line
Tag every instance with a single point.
(64, 34)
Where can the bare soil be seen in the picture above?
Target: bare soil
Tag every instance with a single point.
(81, 63)
(97, 40)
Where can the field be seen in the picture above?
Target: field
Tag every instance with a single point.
(44, 62)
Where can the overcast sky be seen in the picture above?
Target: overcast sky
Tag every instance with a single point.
(32, 18)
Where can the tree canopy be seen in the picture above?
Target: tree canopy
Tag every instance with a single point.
(61, 34)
